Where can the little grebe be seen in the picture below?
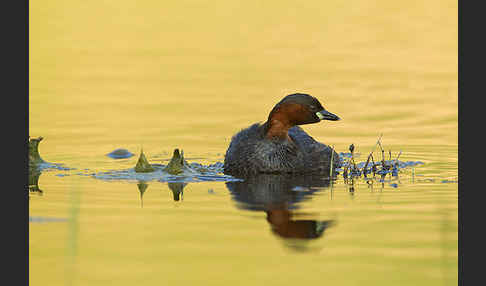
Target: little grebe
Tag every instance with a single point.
(279, 145)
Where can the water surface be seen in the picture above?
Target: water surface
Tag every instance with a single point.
(189, 74)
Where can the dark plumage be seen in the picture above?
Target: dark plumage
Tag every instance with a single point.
(278, 145)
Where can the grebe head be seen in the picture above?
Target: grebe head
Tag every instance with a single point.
(296, 109)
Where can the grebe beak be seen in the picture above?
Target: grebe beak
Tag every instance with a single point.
(326, 115)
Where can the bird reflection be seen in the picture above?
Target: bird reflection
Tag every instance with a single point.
(278, 196)
(284, 226)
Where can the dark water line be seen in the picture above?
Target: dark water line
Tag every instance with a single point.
(443, 242)
(73, 233)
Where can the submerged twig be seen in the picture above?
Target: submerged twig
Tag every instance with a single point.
(330, 169)
(398, 155)
(377, 143)
(373, 167)
(382, 153)
(365, 172)
(396, 165)
(351, 148)
(353, 168)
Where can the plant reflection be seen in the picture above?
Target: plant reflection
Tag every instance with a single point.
(177, 190)
(278, 196)
(34, 175)
(175, 187)
(142, 187)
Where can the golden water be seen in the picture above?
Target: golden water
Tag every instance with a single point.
(189, 74)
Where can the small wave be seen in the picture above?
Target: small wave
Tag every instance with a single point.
(199, 173)
(41, 219)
